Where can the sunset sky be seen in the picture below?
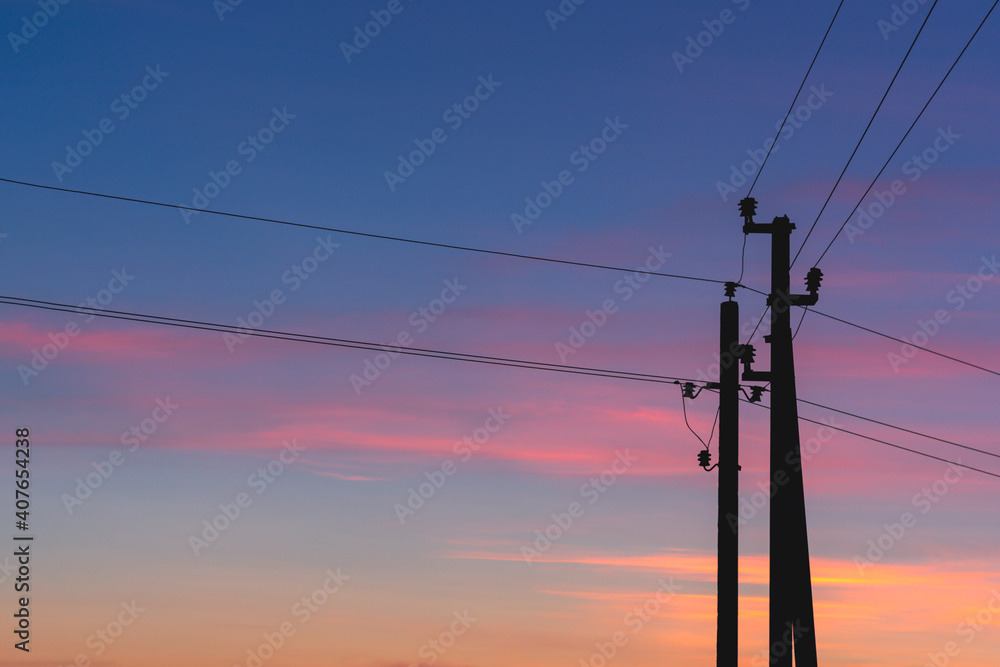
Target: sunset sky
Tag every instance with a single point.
(391, 510)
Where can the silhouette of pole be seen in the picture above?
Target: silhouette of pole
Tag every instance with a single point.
(727, 637)
(791, 627)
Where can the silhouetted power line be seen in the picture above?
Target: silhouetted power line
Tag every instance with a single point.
(865, 133)
(467, 249)
(794, 99)
(887, 443)
(871, 331)
(382, 237)
(900, 428)
(340, 342)
(912, 125)
(905, 342)
(447, 355)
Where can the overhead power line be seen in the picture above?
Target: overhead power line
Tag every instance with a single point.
(743, 252)
(900, 447)
(887, 443)
(811, 309)
(452, 356)
(912, 125)
(469, 249)
(900, 428)
(352, 232)
(340, 342)
(794, 99)
(905, 342)
(865, 133)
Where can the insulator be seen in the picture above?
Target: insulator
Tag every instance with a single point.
(688, 389)
(731, 289)
(704, 458)
(747, 354)
(748, 208)
(813, 279)
(755, 394)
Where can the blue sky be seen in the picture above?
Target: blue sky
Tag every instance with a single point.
(277, 71)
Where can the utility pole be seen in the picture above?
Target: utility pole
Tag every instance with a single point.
(727, 635)
(791, 625)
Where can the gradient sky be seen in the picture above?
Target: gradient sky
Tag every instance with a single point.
(223, 76)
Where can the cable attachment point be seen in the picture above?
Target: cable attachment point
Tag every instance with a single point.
(813, 280)
(688, 390)
(705, 460)
(748, 209)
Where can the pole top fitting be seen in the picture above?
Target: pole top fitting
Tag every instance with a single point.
(748, 209)
(731, 289)
(782, 221)
(813, 280)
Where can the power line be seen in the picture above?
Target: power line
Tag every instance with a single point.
(441, 354)
(688, 424)
(895, 150)
(340, 342)
(904, 342)
(885, 442)
(900, 428)
(743, 252)
(869, 330)
(865, 133)
(801, 320)
(905, 449)
(794, 99)
(455, 247)
(351, 232)
(759, 322)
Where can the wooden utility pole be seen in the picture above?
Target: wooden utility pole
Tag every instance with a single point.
(791, 624)
(727, 636)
